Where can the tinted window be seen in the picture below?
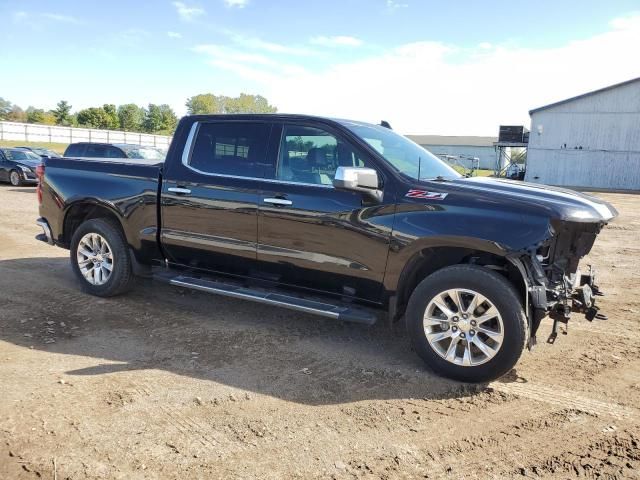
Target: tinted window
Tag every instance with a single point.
(74, 150)
(103, 151)
(17, 155)
(113, 152)
(312, 155)
(232, 148)
(404, 155)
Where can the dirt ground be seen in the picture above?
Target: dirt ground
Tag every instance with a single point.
(164, 383)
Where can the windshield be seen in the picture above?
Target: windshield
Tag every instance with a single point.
(146, 153)
(404, 155)
(17, 155)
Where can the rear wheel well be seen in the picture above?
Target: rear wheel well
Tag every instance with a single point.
(80, 213)
(430, 260)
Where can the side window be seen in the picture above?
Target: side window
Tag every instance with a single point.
(113, 152)
(96, 151)
(75, 150)
(233, 148)
(312, 155)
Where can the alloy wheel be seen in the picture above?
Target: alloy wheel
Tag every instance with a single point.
(15, 178)
(463, 327)
(95, 259)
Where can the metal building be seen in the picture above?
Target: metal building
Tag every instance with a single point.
(465, 148)
(590, 141)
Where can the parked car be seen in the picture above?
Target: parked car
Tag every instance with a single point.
(338, 218)
(113, 150)
(42, 152)
(18, 166)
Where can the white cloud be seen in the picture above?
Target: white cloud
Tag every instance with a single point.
(57, 17)
(336, 41)
(174, 35)
(395, 5)
(436, 88)
(236, 3)
(19, 16)
(186, 12)
(254, 43)
(37, 21)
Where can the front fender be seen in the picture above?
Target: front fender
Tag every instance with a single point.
(419, 227)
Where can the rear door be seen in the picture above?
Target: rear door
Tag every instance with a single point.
(311, 235)
(209, 197)
(4, 168)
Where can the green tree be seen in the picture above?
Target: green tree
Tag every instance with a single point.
(160, 119)
(16, 114)
(208, 103)
(131, 117)
(205, 103)
(93, 117)
(111, 117)
(5, 108)
(35, 115)
(249, 104)
(62, 113)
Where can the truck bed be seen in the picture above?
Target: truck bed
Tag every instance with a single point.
(126, 187)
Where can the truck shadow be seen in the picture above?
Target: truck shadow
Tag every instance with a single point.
(265, 350)
(22, 189)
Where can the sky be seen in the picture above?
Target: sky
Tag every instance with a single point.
(458, 67)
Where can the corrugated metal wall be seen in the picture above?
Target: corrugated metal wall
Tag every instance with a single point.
(593, 141)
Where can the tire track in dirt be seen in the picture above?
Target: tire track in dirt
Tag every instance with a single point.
(566, 399)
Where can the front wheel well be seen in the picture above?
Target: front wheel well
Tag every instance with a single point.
(430, 260)
(80, 213)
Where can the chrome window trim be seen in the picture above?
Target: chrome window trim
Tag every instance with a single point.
(186, 159)
(188, 146)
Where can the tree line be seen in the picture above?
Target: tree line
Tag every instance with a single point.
(155, 118)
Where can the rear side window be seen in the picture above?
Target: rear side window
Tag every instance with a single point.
(234, 148)
(74, 150)
(113, 152)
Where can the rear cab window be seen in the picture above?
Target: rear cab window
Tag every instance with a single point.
(75, 150)
(231, 149)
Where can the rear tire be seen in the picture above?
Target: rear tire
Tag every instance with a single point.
(100, 258)
(484, 345)
(14, 178)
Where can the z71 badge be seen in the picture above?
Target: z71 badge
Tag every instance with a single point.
(426, 195)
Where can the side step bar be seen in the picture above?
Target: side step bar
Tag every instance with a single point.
(338, 312)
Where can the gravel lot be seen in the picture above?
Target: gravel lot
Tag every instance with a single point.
(164, 383)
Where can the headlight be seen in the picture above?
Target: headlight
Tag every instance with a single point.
(25, 169)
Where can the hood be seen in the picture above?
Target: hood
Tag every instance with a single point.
(556, 202)
(27, 162)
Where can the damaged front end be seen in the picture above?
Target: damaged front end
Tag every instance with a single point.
(556, 287)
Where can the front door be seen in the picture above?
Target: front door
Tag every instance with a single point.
(311, 235)
(209, 200)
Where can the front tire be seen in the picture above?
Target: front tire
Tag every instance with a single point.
(467, 323)
(15, 179)
(100, 258)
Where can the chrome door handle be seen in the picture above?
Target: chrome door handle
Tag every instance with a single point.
(180, 190)
(278, 201)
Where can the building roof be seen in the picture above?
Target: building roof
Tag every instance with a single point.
(453, 140)
(588, 94)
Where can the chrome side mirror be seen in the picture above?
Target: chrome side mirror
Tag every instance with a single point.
(358, 179)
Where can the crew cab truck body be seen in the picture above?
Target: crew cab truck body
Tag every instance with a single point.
(339, 218)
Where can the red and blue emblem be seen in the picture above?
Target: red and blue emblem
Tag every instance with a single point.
(423, 194)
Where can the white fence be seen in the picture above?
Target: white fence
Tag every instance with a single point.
(29, 132)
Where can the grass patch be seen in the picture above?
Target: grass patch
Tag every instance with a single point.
(56, 147)
(476, 173)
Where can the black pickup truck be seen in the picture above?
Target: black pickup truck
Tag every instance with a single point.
(338, 218)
